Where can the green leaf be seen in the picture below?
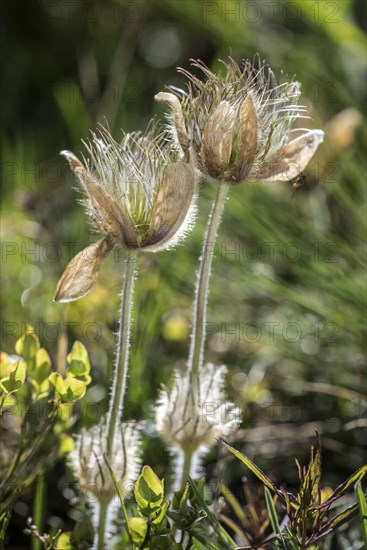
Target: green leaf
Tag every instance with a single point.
(42, 366)
(363, 511)
(338, 520)
(224, 537)
(161, 514)
(27, 345)
(66, 443)
(15, 380)
(149, 489)
(309, 491)
(78, 360)
(63, 542)
(235, 505)
(273, 515)
(138, 528)
(67, 389)
(82, 535)
(6, 366)
(40, 373)
(251, 466)
(343, 487)
(122, 503)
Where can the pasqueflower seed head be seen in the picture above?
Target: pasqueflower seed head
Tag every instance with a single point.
(88, 461)
(238, 126)
(137, 193)
(194, 412)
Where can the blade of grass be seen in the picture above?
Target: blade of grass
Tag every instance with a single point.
(273, 516)
(363, 511)
(251, 466)
(123, 508)
(211, 517)
(343, 487)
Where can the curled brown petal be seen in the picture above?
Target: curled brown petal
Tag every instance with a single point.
(178, 120)
(81, 273)
(289, 161)
(172, 208)
(119, 224)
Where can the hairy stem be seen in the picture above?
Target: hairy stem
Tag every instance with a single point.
(183, 469)
(122, 356)
(198, 335)
(202, 285)
(119, 382)
(99, 539)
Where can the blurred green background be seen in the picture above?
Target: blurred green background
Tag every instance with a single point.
(287, 303)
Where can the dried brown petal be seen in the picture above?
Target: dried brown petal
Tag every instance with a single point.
(81, 273)
(178, 120)
(247, 140)
(171, 206)
(119, 223)
(217, 141)
(287, 163)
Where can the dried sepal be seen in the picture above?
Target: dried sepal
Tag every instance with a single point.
(216, 141)
(107, 214)
(247, 140)
(171, 213)
(82, 271)
(287, 163)
(178, 120)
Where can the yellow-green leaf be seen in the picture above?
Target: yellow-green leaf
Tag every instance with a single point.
(67, 389)
(63, 542)
(138, 529)
(78, 360)
(42, 365)
(148, 489)
(160, 515)
(6, 366)
(27, 345)
(66, 443)
(15, 380)
(251, 466)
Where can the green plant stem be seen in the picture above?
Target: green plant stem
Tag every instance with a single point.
(99, 540)
(38, 506)
(198, 335)
(122, 355)
(202, 284)
(119, 380)
(185, 472)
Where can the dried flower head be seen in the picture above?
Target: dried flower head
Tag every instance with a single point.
(138, 194)
(239, 126)
(195, 412)
(88, 460)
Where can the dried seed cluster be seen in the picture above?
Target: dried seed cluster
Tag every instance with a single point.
(239, 126)
(141, 193)
(88, 461)
(194, 412)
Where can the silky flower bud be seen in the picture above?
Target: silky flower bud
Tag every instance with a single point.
(195, 412)
(88, 461)
(139, 194)
(239, 127)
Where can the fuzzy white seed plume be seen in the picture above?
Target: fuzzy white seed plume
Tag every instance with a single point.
(194, 412)
(88, 461)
